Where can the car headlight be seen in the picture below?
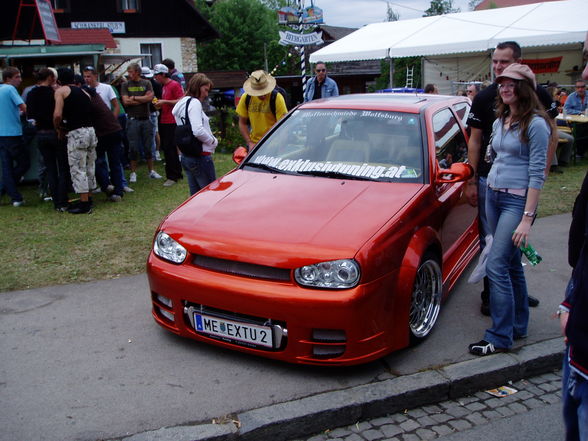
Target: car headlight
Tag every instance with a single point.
(168, 249)
(334, 274)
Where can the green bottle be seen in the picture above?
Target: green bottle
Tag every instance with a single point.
(532, 255)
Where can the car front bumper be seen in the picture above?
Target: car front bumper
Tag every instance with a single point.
(311, 326)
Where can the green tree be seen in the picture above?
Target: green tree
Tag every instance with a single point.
(440, 7)
(248, 33)
(391, 14)
(473, 3)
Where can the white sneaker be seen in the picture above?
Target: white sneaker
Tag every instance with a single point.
(128, 189)
(18, 203)
(169, 183)
(133, 177)
(154, 175)
(157, 155)
(97, 190)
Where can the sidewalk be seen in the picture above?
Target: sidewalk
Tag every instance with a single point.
(87, 362)
(289, 420)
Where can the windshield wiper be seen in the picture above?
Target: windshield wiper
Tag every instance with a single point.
(268, 168)
(335, 175)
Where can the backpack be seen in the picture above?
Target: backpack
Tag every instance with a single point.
(273, 97)
(188, 144)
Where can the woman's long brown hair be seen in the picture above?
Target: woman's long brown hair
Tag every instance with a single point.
(528, 105)
(196, 82)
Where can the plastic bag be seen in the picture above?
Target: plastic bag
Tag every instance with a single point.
(479, 271)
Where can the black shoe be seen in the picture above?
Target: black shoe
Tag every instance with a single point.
(533, 302)
(485, 308)
(485, 295)
(81, 208)
(483, 348)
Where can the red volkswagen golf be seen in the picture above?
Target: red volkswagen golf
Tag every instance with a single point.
(334, 242)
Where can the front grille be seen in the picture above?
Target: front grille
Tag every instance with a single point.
(242, 269)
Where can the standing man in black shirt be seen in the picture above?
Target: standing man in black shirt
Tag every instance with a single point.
(72, 118)
(480, 120)
(40, 107)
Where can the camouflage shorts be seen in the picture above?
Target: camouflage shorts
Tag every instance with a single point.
(81, 155)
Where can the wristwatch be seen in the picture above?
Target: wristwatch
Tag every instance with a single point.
(529, 213)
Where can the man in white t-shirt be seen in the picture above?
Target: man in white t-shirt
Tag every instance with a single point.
(105, 91)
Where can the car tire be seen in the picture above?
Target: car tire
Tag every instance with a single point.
(425, 302)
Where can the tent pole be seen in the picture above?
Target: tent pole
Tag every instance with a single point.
(391, 79)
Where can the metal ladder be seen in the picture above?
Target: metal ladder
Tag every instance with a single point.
(409, 76)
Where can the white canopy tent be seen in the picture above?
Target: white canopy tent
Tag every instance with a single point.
(540, 24)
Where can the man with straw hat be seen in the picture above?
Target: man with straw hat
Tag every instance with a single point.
(260, 107)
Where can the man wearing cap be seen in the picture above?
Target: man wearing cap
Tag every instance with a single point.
(480, 120)
(147, 74)
(136, 95)
(257, 111)
(321, 86)
(172, 92)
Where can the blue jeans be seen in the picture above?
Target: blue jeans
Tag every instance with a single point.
(508, 289)
(13, 165)
(483, 228)
(110, 145)
(199, 170)
(575, 403)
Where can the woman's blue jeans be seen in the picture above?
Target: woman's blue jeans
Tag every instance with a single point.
(199, 171)
(508, 289)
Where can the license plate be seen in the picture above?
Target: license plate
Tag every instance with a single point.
(234, 331)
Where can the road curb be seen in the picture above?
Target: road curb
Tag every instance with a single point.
(313, 414)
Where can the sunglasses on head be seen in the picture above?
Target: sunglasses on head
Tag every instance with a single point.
(89, 68)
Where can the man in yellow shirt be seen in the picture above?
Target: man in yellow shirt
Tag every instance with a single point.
(260, 107)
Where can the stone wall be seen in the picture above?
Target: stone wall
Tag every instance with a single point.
(189, 56)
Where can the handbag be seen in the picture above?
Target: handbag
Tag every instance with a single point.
(188, 144)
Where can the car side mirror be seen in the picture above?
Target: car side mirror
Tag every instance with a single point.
(458, 172)
(239, 154)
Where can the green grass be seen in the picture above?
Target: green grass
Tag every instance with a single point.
(41, 247)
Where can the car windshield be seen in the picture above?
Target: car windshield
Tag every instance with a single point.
(344, 144)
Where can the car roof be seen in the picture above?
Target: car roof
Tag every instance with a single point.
(403, 102)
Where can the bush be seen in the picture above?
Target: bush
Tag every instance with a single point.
(225, 125)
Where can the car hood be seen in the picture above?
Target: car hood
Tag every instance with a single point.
(284, 220)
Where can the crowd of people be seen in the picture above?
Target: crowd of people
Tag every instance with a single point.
(89, 132)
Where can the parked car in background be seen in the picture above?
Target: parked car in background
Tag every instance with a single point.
(334, 242)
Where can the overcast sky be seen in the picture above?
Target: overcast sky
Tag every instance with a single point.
(356, 13)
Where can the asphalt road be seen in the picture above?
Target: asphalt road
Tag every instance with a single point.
(87, 362)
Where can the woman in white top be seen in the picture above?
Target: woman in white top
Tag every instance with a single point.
(199, 169)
